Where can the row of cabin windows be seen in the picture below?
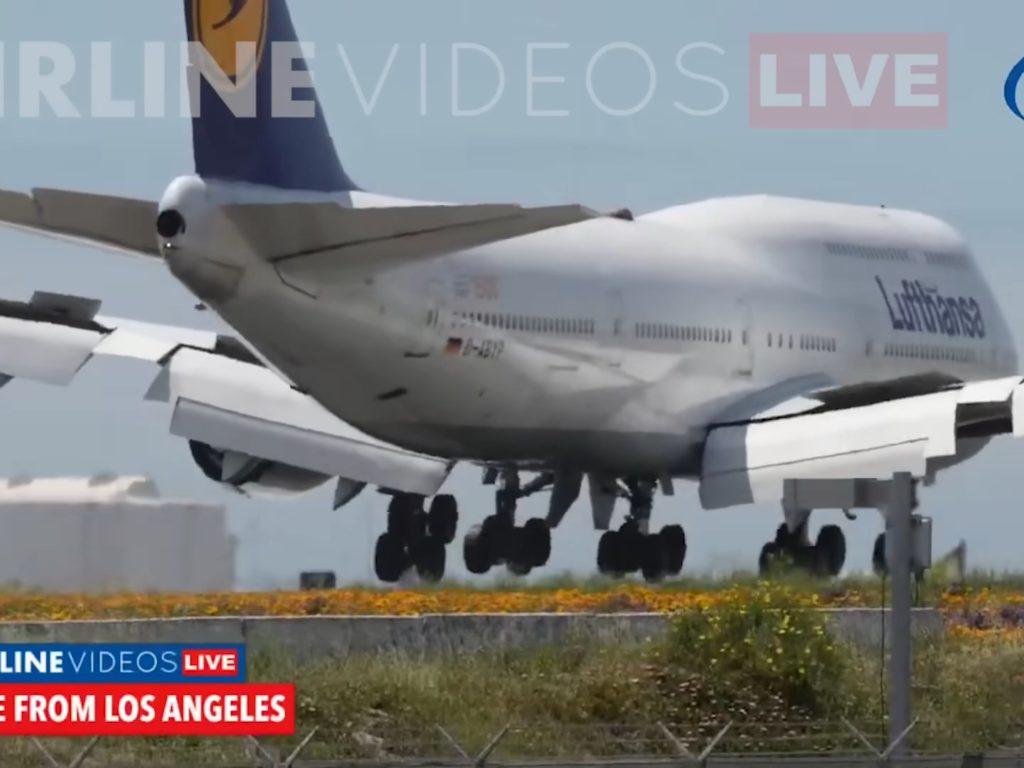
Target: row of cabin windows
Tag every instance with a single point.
(928, 352)
(870, 252)
(803, 341)
(567, 326)
(682, 333)
(951, 260)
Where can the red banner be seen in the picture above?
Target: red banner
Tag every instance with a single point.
(239, 709)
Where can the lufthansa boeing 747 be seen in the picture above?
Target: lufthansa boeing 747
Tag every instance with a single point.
(737, 343)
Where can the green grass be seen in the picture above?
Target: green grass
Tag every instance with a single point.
(768, 666)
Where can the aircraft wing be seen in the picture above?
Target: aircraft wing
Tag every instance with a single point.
(118, 224)
(915, 425)
(220, 394)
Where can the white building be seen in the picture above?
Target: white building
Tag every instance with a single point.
(110, 534)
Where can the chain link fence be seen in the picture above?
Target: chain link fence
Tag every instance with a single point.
(833, 744)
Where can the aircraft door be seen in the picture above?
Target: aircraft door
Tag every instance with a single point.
(615, 336)
(745, 349)
(432, 318)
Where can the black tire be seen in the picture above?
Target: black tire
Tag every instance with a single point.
(498, 538)
(390, 559)
(652, 564)
(830, 548)
(767, 562)
(443, 518)
(878, 563)
(673, 548)
(536, 538)
(608, 554)
(518, 569)
(629, 544)
(474, 551)
(782, 536)
(430, 559)
(402, 513)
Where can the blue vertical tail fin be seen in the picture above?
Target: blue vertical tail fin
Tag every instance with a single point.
(236, 134)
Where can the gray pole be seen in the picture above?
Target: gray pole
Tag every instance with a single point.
(897, 534)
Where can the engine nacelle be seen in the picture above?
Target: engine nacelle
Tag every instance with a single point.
(253, 475)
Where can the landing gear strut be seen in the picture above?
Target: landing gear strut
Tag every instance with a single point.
(633, 548)
(499, 540)
(416, 537)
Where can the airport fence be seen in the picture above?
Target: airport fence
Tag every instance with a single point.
(525, 745)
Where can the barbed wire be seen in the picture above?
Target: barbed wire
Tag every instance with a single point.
(547, 742)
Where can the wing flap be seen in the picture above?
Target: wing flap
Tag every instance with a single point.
(121, 224)
(42, 352)
(751, 461)
(218, 395)
(251, 410)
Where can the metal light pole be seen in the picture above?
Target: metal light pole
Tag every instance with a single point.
(898, 546)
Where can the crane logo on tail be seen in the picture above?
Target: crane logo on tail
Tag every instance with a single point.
(1013, 81)
(234, 33)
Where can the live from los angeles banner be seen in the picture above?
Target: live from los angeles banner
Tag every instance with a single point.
(138, 690)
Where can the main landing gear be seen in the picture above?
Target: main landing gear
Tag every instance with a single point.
(633, 548)
(416, 537)
(792, 548)
(499, 540)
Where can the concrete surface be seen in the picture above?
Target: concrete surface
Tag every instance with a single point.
(310, 637)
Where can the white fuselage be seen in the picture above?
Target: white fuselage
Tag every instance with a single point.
(611, 345)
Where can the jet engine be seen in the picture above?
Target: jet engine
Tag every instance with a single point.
(253, 475)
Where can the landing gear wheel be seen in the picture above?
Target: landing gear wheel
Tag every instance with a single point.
(651, 563)
(830, 551)
(402, 513)
(518, 569)
(878, 563)
(430, 559)
(390, 559)
(768, 561)
(673, 548)
(536, 542)
(608, 554)
(630, 547)
(443, 518)
(496, 535)
(476, 551)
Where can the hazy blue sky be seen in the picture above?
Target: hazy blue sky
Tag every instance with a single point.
(969, 174)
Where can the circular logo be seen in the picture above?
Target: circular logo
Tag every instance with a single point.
(234, 33)
(1011, 87)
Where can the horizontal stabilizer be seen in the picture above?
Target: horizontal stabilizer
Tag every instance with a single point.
(119, 224)
(324, 235)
